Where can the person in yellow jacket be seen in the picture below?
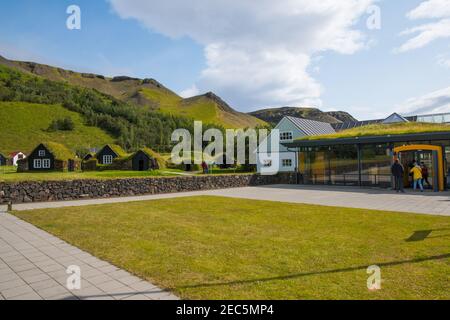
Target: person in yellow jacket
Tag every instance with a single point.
(417, 176)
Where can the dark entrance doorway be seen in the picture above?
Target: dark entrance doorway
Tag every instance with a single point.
(71, 165)
(408, 158)
(431, 156)
(141, 165)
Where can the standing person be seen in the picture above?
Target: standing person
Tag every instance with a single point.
(417, 176)
(204, 167)
(398, 171)
(425, 175)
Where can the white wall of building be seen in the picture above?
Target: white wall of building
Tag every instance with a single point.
(284, 156)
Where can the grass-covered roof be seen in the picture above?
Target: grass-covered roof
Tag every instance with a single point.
(118, 150)
(153, 154)
(383, 129)
(59, 151)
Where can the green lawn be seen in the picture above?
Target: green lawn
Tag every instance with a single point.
(9, 174)
(223, 248)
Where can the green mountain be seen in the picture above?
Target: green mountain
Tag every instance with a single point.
(273, 116)
(146, 93)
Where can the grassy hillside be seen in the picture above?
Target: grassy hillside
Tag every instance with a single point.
(147, 93)
(132, 126)
(207, 108)
(24, 125)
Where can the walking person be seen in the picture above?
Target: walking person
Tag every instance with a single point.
(398, 171)
(425, 175)
(417, 176)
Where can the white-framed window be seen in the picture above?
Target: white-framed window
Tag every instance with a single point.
(46, 163)
(286, 136)
(41, 153)
(37, 163)
(287, 162)
(107, 159)
(267, 163)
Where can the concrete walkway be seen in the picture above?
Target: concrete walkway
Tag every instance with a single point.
(363, 198)
(33, 266)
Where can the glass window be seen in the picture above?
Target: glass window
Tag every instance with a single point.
(41, 153)
(343, 165)
(376, 162)
(107, 159)
(287, 162)
(37, 163)
(46, 163)
(285, 136)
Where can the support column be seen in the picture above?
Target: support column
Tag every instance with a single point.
(358, 148)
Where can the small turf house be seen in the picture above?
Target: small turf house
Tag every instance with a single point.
(89, 156)
(142, 160)
(145, 159)
(108, 153)
(49, 156)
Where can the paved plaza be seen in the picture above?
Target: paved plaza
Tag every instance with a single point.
(363, 198)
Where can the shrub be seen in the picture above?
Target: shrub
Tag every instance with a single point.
(65, 124)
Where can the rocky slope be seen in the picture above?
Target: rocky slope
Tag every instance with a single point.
(273, 116)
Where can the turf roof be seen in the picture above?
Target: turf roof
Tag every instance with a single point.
(383, 129)
(59, 151)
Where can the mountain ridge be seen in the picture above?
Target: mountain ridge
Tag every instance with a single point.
(147, 93)
(274, 115)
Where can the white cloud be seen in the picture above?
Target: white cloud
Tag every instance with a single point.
(258, 53)
(431, 9)
(434, 102)
(428, 32)
(190, 92)
(444, 60)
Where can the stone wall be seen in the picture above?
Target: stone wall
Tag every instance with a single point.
(34, 191)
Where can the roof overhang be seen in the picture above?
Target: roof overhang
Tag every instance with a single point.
(370, 139)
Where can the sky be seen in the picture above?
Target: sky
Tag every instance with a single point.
(367, 57)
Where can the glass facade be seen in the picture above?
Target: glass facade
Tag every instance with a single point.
(336, 165)
(376, 161)
(365, 164)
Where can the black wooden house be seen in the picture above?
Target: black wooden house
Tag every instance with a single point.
(108, 153)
